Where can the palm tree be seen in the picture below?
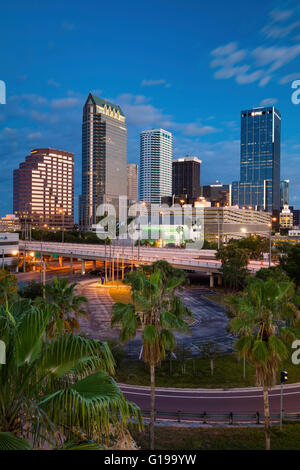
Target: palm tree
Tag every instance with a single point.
(234, 265)
(51, 390)
(8, 286)
(67, 305)
(258, 314)
(157, 311)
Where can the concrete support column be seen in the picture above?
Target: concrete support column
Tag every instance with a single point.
(71, 264)
(211, 280)
(94, 264)
(60, 261)
(82, 267)
(105, 269)
(24, 261)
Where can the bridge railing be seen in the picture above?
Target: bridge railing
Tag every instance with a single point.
(215, 418)
(86, 251)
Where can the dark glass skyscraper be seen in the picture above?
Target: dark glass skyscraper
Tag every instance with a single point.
(186, 177)
(259, 185)
(104, 157)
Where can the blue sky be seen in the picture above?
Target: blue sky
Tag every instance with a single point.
(189, 67)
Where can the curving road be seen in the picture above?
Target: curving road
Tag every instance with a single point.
(244, 400)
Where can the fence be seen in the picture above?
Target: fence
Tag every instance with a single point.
(224, 418)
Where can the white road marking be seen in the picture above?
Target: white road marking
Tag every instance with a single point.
(208, 397)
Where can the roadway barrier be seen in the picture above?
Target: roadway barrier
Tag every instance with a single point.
(224, 418)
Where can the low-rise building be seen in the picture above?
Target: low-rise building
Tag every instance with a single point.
(212, 224)
(286, 217)
(10, 223)
(9, 251)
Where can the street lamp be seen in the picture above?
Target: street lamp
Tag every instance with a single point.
(283, 379)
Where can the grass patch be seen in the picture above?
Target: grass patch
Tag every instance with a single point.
(196, 373)
(217, 438)
(121, 294)
(219, 296)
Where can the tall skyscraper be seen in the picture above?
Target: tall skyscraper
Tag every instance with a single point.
(259, 185)
(156, 147)
(284, 192)
(44, 189)
(186, 177)
(132, 182)
(104, 157)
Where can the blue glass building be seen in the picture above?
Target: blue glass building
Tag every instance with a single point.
(259, 185)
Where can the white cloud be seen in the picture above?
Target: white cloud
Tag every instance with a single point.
(225, 50)
(275, 29)
(289, 78)
(275, 57)
(64, 103)
(249, 78)
(54, 83)
(259, 64)
(268, 101)
(156, 82)
(193, 129)
(229, 72)
(229, 60)
(34, 135)
(265, 80)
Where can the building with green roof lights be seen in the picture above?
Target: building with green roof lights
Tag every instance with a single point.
(104, 158)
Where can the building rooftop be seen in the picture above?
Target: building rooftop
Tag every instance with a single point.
(187, 158)
(101, 102)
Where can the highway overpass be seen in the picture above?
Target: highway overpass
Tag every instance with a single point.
(202, 261)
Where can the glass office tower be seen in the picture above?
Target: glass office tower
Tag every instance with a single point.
(284, 192)
(259, 185)
(104, 158)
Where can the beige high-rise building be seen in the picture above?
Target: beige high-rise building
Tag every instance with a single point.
(104, 158)
(44, 189)
(132, 182)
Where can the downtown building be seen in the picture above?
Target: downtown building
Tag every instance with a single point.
(186, 177)
(43, 189)
(284, 192)
(259, 185)
(217, 193)
(156, 147)
(104, 158)
(132, 182)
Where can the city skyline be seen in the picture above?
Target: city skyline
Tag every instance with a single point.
(197, 94)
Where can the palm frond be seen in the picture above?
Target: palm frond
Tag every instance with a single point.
(10, 442)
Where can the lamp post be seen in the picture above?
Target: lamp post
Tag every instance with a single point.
(218, 215)
(283, 379)
(117, 270)
(273, 219)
